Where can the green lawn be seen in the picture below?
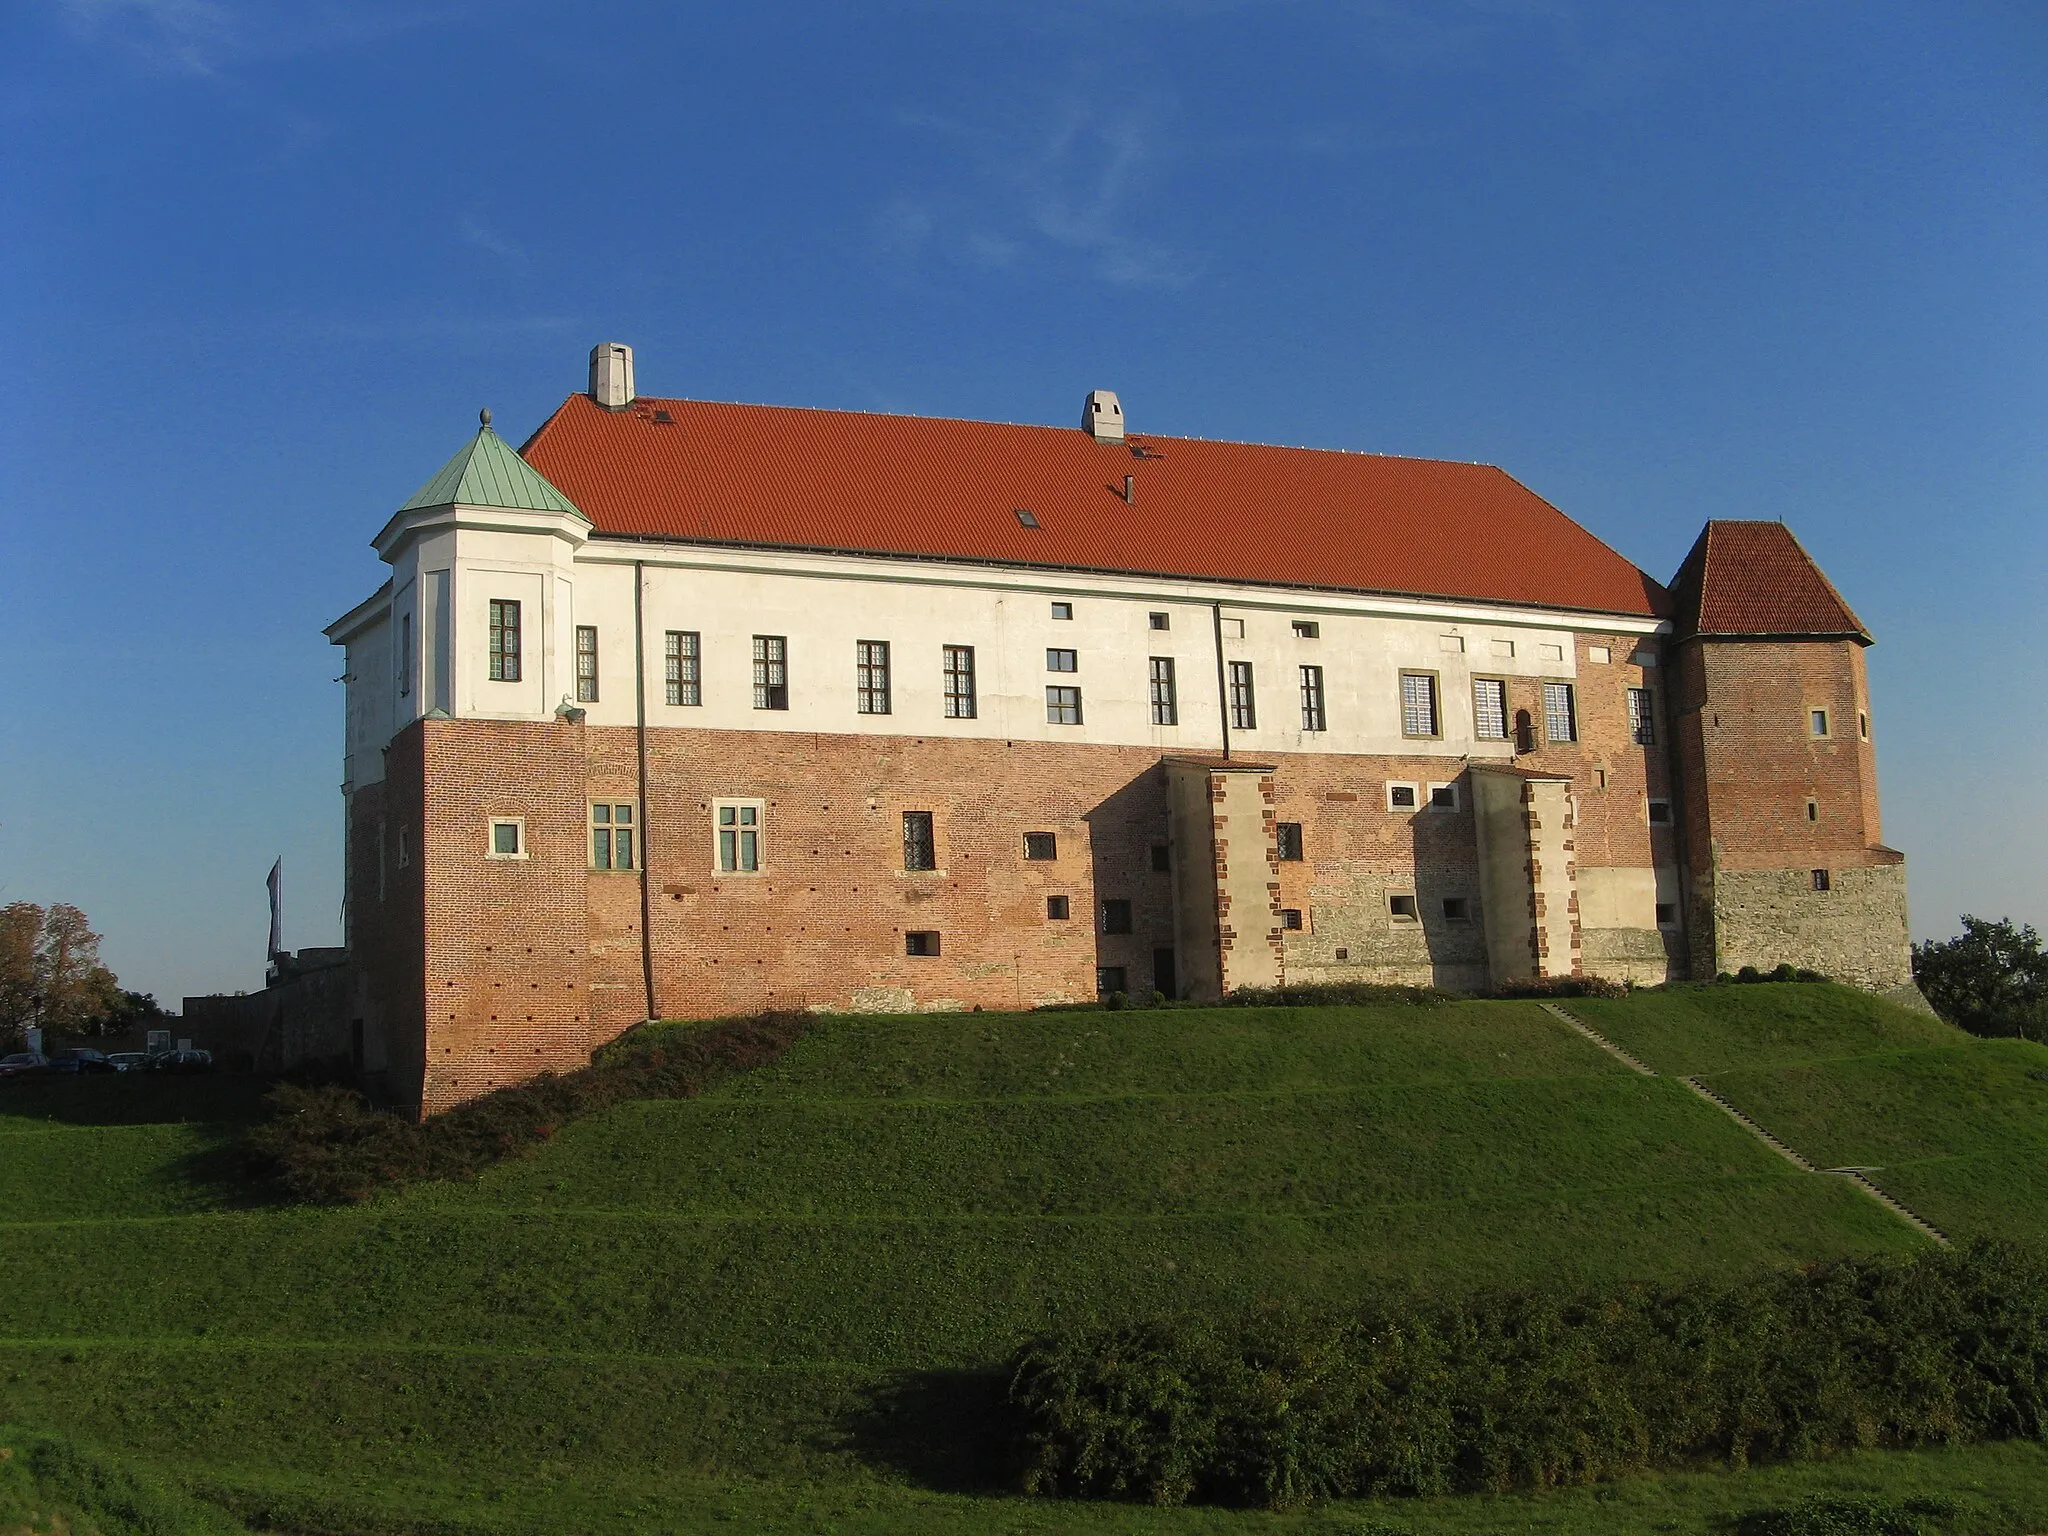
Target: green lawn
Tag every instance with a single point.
(779, 1304)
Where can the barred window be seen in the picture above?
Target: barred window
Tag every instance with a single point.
(920, 848)
(1560, 714)
(1489, 709)
(1418, 704)
(504, 641)
(1312, 699)
(1165, 707)
(1062, 706)
(586, 663)
(871, 658)
(771, 672)
(1287, 841)
(959, 682)
(1244, 711)
(1641, 728)
(1041, 845)
(611, 837)
(685, 667)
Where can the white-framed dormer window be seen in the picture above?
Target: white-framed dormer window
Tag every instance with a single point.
(507, 838)
(737, 826)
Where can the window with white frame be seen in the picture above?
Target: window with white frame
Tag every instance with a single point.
(738, 827)
(1443, 797)
(1165, 706)
(959, 676)
(1404, 797)
(1642, 727)
(1817, 720)
(1560, 713)
(771, 672)
(586, 663)
(685, 667)
(1313, 717)
(1244, 706)
(507, 838)
(1418, 705)
(504, 640)
(1490, 708)
(871, 666)
(612, 836)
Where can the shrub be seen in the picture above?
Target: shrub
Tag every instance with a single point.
(1845, 1517)
(326, 1144)
(1562, 986)
(1334, 994)
(1533, 1389)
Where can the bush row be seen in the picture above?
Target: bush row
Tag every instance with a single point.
(1528, 1389)
(329, 1145)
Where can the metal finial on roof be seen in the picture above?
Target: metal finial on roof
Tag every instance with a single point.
(484, 415)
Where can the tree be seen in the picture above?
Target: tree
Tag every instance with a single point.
(50, 972)
(1992, 979)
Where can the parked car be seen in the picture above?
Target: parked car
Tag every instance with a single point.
(24, 1064)
(181, 1061)
(129, 1061)
(80, 1061)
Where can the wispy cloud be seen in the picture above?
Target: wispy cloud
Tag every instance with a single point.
(484, 238)
(174, 36)
(207, 37)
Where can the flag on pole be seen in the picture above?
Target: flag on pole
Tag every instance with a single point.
(276, 922)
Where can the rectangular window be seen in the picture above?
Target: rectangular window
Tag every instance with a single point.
(1863, 725)
(611, 837)
(1307, 629)
(504, 641)
(1660, 813)
(1056, 909)
(508, 838)
(1667, 914)
(1822, 881)
(959, 665)
(925, 943)
(405, 656)
(1489, 709)
(1109, 979)
(1057, 660)
(1287, 841)
(1165, 705)
(1063, 610)
(685, 661)
(1560, 713)
(1818, 718)
(920, 849)
(1162, 859)
(1290, 919)
(1312, 699)
(1159, 620)
(739, 838)
(1116, 915)
(1039, 846)
(586, 663)
(771, 672)
(871, 665)
(1401, 907)
(1418, 704)
(1403, 797)
(1244, 709)
(1642, 729)
(1457, 909)
(1443, 797)
(1063, 706)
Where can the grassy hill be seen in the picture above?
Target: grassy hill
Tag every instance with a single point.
(778, 1304)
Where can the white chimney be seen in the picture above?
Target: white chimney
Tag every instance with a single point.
(1102, 417)
(611, 375)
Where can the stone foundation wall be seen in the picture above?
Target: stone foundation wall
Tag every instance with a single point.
(1855, 932)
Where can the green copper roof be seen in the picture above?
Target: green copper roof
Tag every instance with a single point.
(487, 473)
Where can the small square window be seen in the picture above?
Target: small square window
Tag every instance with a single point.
(1057, 660)
(1056, 909)
(1025, 517)
(1160, 620)
(1290, 919)
(1116, 915)
(508, 838)
(1818, 720)
(1667, 914)
(1601, 655)
(1402, 797)
(1822, 880)
(1307, 629)
(921, 943)
(1660, 813)
(1457, 909)
(1343, 954)
(1062, 706)
(1109, 979)
(1401, 907)
(1063, 610)
(1041, 845)
(1287, 840)
(1162, 859)
(1443, 797)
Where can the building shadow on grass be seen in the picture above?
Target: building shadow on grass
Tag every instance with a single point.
(134, 1098)
(950, 1431)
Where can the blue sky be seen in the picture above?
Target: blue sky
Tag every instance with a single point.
(260, 265)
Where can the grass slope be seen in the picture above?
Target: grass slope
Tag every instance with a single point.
(786, 1292)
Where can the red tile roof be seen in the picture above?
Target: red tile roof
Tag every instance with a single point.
(1747, 578)
(938, 489)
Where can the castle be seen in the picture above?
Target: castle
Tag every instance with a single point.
(686, 709)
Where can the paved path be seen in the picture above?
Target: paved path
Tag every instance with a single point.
(1860, 1177)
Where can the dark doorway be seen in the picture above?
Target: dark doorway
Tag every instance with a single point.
(1162, 973)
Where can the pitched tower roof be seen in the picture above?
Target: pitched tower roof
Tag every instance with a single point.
(930, 488)
(1754, 579)
(487, 473)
